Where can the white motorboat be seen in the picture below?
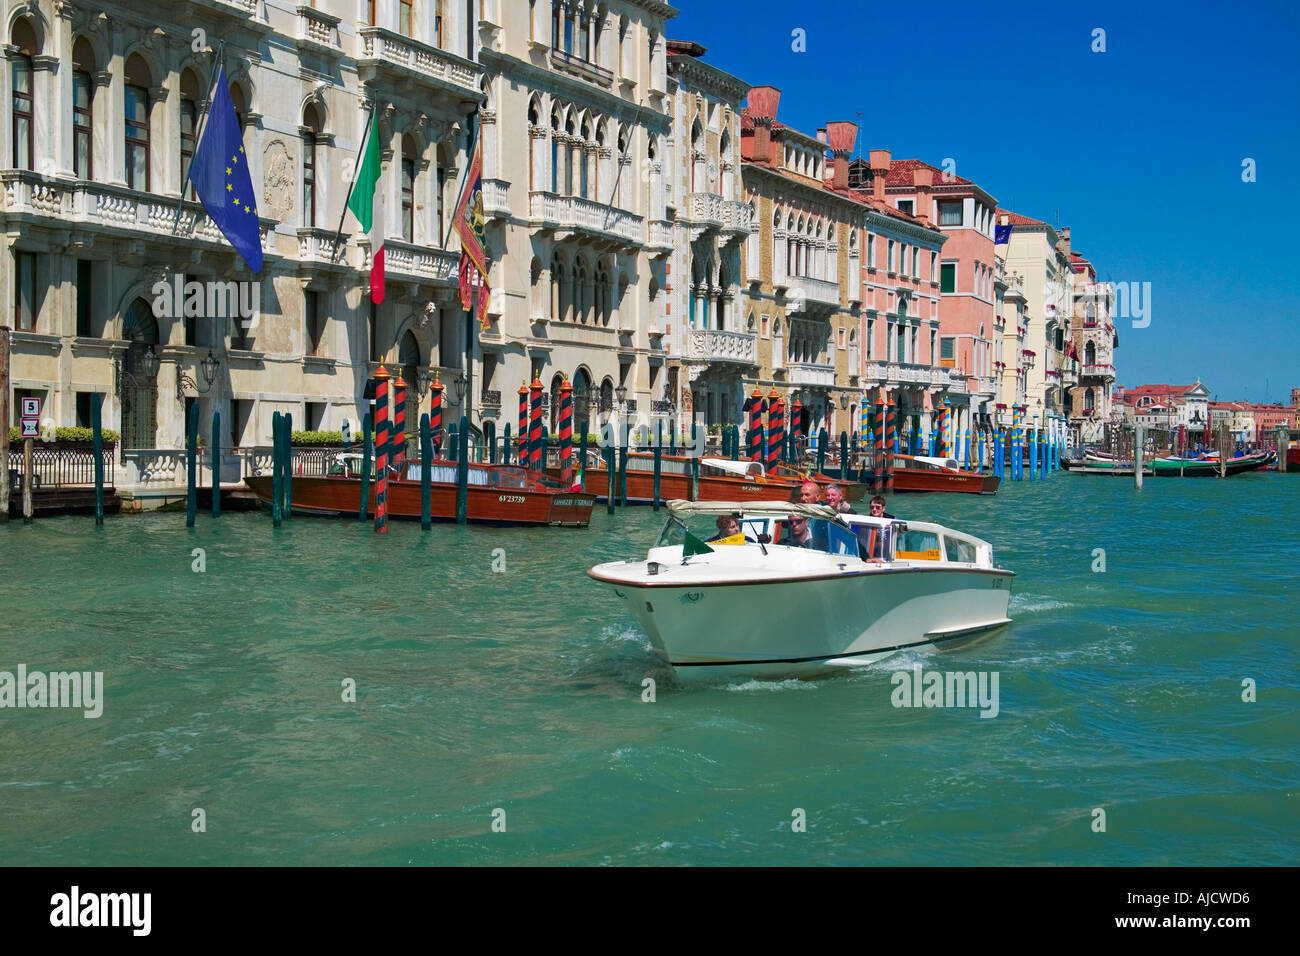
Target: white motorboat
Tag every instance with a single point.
(753, 604)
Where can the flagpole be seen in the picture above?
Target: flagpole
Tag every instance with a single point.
(468, 410)
(353, 185)
(207, 109)
(464, 180)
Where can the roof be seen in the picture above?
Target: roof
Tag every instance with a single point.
(1015, 219)
(900, 174)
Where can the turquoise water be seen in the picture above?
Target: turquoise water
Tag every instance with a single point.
(522, 691)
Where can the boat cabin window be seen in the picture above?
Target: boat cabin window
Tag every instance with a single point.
(917, 545)
(959, 550)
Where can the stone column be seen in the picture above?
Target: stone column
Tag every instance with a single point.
(47, 112)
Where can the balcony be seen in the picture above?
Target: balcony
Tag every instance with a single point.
(385, 51)
(578, 215)
(496, 198)
(942, 378)
(406, 261)
(659, 236)
(318, 30)
(1100, 370)
(899, 373)
(986, 385)
(1069, 374)
(810, 373)
(710, 345)
(705, 209)
(577, 66)
(112, 209)
(737, 217)
(805, 294)
(316, 246)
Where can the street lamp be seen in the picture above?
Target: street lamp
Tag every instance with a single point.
(422, 380)
(621, 393)
(460, 384)
(844, 400)
(149, 364)
(209, 368)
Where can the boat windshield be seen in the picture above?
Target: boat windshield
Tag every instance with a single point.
(723, 530)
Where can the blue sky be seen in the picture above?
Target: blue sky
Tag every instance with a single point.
(1138, 149)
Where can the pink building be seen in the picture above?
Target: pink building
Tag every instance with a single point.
(967, 312)
(900, 304)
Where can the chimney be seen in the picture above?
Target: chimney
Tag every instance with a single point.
(879, 170)
(762, 105)
(840, 136)
(922, 179)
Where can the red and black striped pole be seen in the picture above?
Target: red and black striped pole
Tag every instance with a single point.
(435, 414)
(535, 426)
(756, 424)
(878, 473)
(796, 426)
(381, 450)
(399, 419)
(566, 430)
(523, 424)
(893, 439)
(775, 428)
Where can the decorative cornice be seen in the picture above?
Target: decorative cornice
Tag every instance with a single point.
(723, 86)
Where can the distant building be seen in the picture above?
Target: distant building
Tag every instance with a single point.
(1182, 405)
(1091, 350)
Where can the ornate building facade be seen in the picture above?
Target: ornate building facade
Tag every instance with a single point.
(110, 98)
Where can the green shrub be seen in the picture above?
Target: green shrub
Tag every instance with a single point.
(69, 434)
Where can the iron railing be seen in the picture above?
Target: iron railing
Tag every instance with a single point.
(60, 465)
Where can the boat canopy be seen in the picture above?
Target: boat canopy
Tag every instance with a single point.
(682, 509)
(950, 463)
(742, 468)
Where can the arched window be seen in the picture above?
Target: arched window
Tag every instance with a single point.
(536, 304)
(557, 281)
(409, 159)
(556, 382)
(240, 102)
(534, 119)
(1089, 400)
(583, 155)
(21, 77)
(580, 297)
(602, 296)
(139, 327)
(190, 96)
(555, 144)
(778, 343)
(607, 395)
(83, 117)
(574, 152)
(311, 128)
(574, 310)
(1090, 354)
(137, 123)
(581, 395)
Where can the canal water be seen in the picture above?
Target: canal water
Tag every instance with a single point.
(514, 697)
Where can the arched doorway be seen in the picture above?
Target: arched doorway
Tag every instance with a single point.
(408, 357)
(581, 396)
(556, 382)
(140, 391)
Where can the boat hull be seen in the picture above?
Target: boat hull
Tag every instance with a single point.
(342, 497)
(807, 627)
(916, 479)
(677, 484)
(1171, 468)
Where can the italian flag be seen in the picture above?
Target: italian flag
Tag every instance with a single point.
(367, 204)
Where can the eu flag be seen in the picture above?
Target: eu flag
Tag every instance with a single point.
(219, 172)
(1001, 235)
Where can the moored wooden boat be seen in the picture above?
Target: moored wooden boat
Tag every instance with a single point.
(917, 473)
(1207, 467)
(497, 494)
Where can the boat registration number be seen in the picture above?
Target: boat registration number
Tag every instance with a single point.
(512, 499)
(568, 502)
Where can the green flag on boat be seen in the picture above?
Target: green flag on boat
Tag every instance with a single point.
(694, 545)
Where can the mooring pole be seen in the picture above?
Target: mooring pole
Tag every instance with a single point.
(27, 481)
(216, 464)
(4, 423)
(367, 450)
(659, 450)
(426, 461)
(611, 474)
(97, 443)
(277, 479)
(191, 464)
(1139, 454)
(462, 473)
